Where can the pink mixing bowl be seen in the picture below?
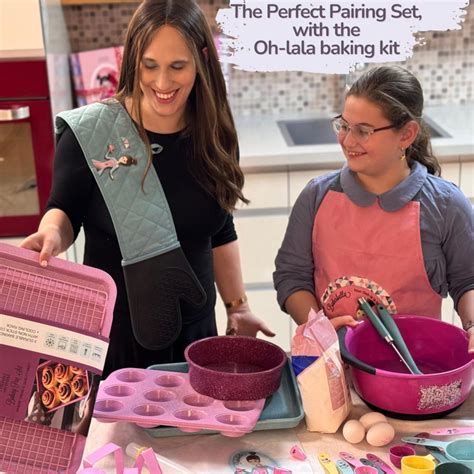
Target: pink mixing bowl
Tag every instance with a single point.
(380, 378)
(235, 367)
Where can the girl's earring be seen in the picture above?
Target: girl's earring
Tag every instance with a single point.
(403, 156)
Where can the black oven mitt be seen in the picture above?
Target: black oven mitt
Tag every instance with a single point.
(155, 288)
(157, 274)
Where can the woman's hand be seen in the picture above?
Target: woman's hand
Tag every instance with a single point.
(46, 241)
(55, 235)
(242, 322)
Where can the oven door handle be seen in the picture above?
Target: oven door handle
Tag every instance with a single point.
(15, 113)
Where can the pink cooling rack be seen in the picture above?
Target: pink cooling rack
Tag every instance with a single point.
(75, 296)
(32, 448)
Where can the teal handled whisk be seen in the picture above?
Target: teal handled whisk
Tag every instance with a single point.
(392, 328)
(385, 333)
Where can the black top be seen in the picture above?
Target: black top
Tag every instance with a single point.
(200, 223)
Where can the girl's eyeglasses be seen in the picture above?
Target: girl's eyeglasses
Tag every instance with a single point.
(360, 132)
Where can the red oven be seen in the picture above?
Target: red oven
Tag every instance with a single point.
(26, 144)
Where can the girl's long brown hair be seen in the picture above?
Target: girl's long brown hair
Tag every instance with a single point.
(210, 124)
(400, 96)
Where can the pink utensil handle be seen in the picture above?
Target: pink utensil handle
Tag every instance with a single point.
(297, 453)
(348, 457)
(453, 431)
(365, 470)
(380, 463)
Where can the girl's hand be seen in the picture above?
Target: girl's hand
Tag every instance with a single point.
(339, 321)
(470, 331)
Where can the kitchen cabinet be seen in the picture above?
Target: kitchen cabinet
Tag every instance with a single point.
(260, 238)
(299, 179)
(20, 28)
(467, 178)
(266, 190)
(451, 172)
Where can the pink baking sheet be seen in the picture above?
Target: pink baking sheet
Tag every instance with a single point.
(67, 294)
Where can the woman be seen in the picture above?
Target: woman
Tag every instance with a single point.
(385, 227)
(171, 85)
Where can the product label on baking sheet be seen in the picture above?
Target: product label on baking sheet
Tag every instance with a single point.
(48, 375)
(52, 341)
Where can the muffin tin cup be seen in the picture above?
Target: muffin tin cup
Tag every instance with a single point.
(151, 398)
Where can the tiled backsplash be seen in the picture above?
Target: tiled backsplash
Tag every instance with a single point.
(444, 65)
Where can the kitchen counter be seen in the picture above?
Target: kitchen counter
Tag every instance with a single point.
(263, 147)
(211, 453)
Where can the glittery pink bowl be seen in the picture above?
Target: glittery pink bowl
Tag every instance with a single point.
(235, 367)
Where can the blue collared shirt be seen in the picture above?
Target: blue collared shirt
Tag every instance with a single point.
(446, 229)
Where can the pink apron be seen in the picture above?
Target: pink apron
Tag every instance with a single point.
(371, 253)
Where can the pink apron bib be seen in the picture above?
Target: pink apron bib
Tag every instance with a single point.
(371, 253)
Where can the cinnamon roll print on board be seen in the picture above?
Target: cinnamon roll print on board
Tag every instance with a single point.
(60, 384)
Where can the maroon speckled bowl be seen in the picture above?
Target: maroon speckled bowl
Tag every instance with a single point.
(235, 367)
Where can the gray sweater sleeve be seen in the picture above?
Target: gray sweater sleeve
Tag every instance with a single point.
(294, 262)
(458, 245)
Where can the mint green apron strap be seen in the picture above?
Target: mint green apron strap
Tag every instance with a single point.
(142, 220)
(117, 158)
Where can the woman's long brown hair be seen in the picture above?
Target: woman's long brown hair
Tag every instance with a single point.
(210, 124)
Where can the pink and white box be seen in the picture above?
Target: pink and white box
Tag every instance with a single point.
(96, 73)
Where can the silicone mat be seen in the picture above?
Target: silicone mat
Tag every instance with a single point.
(282, 410)
(73, 295)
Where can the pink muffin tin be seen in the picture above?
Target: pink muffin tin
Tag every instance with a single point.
(155, 397)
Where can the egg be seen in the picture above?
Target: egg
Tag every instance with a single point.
(369, 419)
(353, 431)
(380, 434)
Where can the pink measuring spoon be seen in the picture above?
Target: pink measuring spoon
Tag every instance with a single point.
(380, 463)
(452, 431)
(348, 457)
